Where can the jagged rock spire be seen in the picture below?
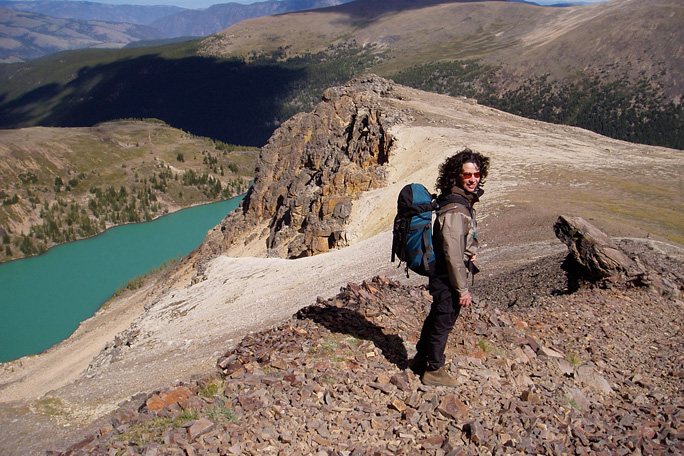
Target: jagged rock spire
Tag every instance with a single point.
(311, 170)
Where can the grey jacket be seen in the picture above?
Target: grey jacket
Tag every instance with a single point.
(455, 237)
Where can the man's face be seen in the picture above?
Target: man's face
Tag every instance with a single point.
(469, 177)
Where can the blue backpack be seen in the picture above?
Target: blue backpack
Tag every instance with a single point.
(412, 232)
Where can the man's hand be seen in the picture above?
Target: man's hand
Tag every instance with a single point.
(465, 300)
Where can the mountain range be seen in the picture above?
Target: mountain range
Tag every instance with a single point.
(622, 37)
(82, 25)
(27, 36)
(615, 68)
(37, 28)
(92, 11)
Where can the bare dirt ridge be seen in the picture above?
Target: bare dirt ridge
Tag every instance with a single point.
(173, 329)
(527, 40)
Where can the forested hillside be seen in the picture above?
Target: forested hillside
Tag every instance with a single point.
(60, 185)
(635, 111)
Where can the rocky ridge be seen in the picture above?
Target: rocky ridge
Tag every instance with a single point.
(598, 371)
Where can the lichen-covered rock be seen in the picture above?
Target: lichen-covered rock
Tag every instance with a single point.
(311, 170)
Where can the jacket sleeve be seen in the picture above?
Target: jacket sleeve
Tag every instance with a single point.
(455, 230)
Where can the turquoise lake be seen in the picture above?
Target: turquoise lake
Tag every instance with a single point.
(43, 299)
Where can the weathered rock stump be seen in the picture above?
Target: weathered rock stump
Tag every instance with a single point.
(598, 257)
(594, 258)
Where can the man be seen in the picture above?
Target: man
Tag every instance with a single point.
(459, 184)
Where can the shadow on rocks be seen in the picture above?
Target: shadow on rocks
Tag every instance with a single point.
(523, 286)
(346, 321)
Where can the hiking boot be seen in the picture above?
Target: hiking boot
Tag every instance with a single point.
(439, 377)
(418, 364)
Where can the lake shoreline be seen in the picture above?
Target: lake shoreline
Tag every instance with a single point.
(78, 278)
(110, 226)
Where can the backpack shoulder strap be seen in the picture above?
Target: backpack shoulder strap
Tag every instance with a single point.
(453, 207)
(455, 203)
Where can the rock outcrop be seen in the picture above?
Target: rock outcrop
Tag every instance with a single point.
(310, 172)
(595, 258)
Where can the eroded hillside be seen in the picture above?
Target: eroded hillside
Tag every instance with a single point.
(526, 40)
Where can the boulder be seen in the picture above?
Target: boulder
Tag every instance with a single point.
(593, 256)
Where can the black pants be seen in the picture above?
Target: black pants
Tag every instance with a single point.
(439, 322)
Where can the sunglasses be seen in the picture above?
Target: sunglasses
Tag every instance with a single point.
(469, 175)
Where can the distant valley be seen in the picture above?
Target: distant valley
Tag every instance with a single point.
(614, 68)
(32, 29)
(27, 36)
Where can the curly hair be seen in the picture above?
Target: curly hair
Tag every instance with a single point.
(452, 167)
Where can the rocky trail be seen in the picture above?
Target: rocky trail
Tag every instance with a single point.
(542, 371)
